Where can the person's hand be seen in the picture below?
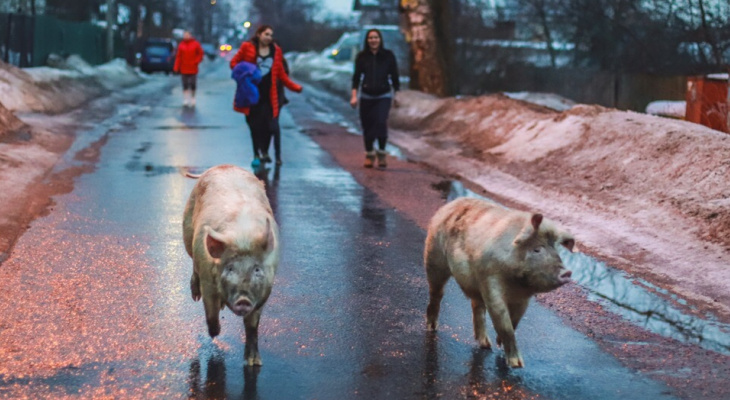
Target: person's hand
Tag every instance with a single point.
(353, 101)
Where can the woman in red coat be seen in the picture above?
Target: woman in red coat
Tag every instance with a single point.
(263, 118)
(189, 55)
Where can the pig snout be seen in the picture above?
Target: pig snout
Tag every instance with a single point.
(565, 275)
(242, 306)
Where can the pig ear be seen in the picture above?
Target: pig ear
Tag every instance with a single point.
(268, 243)
(528, 230)
(214, 243)
(536, 220)
(568, 243)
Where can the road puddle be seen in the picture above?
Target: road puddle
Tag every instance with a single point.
(644, 304)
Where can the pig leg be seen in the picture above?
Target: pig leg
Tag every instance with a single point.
(195, 286)
(480, 331)
(516, 311)
(212, 304)
(499, 312)
(438, 274)
(251, 322)
(188, 228)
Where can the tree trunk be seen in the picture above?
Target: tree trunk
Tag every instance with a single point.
(428, 65)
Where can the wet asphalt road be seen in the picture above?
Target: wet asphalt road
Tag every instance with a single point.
(95, 302)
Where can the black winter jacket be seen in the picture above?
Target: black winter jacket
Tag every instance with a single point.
(378, 71)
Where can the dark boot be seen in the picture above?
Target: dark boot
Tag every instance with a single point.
(382, 163)
(369, 159)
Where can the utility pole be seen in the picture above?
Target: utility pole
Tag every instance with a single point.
(110, 14)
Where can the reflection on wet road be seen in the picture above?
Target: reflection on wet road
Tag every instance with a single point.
(95, 299)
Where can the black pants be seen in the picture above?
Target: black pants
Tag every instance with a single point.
(264, 126)
(189, 81)
(374, 121)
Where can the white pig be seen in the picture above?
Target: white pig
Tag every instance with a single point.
(230, 232)
(500, 258)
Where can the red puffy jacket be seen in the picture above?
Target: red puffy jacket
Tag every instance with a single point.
(189, 55)
(248, 52)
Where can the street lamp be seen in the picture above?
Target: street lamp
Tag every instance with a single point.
(247, 24)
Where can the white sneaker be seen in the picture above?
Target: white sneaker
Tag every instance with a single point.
(192, 102)
(186, 98)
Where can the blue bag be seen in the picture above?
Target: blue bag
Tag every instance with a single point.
(247, 77)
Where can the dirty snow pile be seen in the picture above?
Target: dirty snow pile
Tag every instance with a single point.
(549, 100)
(63, 87)
(316, 67)
(336, 76)
(631, 162)
(666, 108)
(8, 121)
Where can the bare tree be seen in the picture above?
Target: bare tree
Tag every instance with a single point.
(543, 11)
(77, 10)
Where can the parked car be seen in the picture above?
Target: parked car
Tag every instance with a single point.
(346, 47)
(158, 54)
(209, 50)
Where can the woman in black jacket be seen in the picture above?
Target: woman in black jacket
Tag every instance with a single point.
(377, 70)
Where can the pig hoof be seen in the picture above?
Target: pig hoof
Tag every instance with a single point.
(516, 362)
(195, 291)
(254, 361)
(214, 329)
(485, 343)
(431, 325)
(499, 341)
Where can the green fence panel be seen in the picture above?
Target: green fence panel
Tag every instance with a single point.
(85, 39)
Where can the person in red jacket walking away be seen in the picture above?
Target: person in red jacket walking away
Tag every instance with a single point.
(263, 118)
(189, 55)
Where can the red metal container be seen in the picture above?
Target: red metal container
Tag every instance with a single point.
(707, 101)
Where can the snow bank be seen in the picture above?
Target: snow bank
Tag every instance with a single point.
(315, 67)
(549, 100)
(337, 77)
(603, 155)
(54, 90)
(8, 121)
(666, 108)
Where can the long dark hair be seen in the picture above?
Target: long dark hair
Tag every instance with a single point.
(261, 29)
(365, 46)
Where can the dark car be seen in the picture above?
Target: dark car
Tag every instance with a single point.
(158, 55)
